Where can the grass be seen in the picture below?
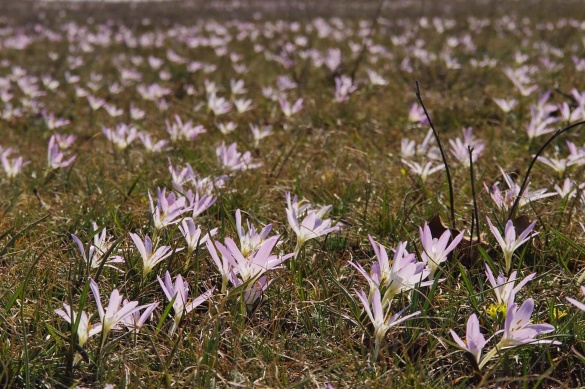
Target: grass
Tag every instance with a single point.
(308, 328)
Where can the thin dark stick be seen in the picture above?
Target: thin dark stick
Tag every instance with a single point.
(475, 211)
(449, 182)
(525, 182)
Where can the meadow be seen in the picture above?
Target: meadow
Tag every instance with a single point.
(292, 194)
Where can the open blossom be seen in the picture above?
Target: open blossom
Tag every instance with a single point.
(96, 251)
(114, 314)
(344, 87)
(506, 105)
(237, 87)
(504, 289)
(150, 145)
(423, 171)
(250, 239)
(416, 114)
(243, 105)
(254, 265)
(85, 330)
(509, 242)
(226, 128)
(559, 165)
(459, 147)
(122, 136)
(435, 251)
(56, 158)
(179, 291)
(180, 131)
(136, 320)
(376, 79)
(12, 166)
(474, 340)
(402, 275)
(517, 328)
(65, 141)
(193, 234)
(289, 110)
(197, 203)
(53, 122)
(313, 224)
(149, 258)
(505, 199)
(231, 159)
(379, 316)
(168, 209)
(217, 105)
(260, 133)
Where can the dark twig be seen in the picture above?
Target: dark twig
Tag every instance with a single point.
(525, 182)
(473, 196)
(449, 182)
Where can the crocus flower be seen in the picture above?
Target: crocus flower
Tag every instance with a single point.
(416, 114)
(231, 159)
(85, 330)
(192, 234)
(250, 240)
(505, 105)
(504, 289)
(379, 317)
(197, 203)
(136, 320)
(254, 290)
(474, 340)
(576, 303)
(518, 330)
(403, 275)
(312, 226)
(149, 258)
(95, 253)
(183, 131)
(150, 145)
(12, 166)
(260, 133)
(56, 158)
(217, 105)
(113, 314)
(435, 251)
(423, 171)
(122, 136)
(509, 242)
(289, 110)
(168, 209)
(180, 292)
(223, 264)
(254, 265)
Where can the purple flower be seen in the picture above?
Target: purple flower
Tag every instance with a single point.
(113, 314)
(518, 330)
(474, 340)
(180, 292)
(435, 251)
(509, 242)
(149, 258)
(505, 290)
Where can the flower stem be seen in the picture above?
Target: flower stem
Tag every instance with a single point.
(487, 357)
